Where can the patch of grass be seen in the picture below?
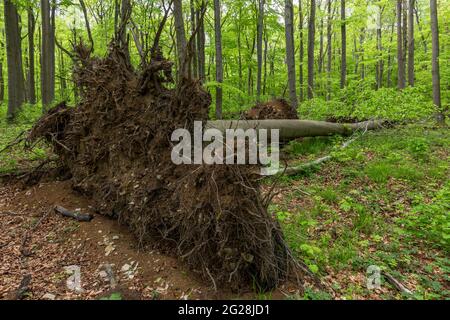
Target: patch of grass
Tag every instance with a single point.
(383, 201)
(308, 146)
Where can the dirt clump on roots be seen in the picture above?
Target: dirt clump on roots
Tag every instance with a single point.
(116, 146)
(274, 109)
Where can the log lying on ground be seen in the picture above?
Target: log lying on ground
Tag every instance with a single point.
(292, 129)
(79, 216)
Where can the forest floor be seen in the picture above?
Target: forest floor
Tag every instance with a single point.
(383, 201)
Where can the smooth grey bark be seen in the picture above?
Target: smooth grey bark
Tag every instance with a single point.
(292, 129)
(16, 84)
(389, 66)
(436, 79)
(290, 51)
(193, 48)
(329, 43)
(180, 36)
(411, 43)
(219, 62)
(320, 62)
(311, 35)
(259, 47)
(380, 63)
(239, 46)
(201, 44)
(47, 57)
(31, 82)
(344, 46)
(302, 50)
(266, 45)
(400, 61)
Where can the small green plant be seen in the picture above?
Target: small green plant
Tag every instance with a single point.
(113, 296)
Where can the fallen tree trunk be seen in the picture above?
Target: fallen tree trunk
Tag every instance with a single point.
(292, 129)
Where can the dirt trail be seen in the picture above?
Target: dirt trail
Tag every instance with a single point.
(59, 242)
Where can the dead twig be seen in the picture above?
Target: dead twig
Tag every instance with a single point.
(397, 284)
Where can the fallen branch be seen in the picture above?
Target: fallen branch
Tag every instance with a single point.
(23, 249)
(79, 216)
(23, 287)
(397, 284)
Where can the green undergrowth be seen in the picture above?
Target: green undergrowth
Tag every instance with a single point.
(384, 201)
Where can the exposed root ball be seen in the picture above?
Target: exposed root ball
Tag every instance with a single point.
(274, 109)
(116, 144)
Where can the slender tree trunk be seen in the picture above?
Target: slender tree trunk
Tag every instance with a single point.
(405, 33)
(181, 37)
(344, 46)
(380, 63)
(2, 78)
(320, 64)
(47, 57)
(435, 60)
(201, 44)
(389, 67)
(259, 47)
(31, 69)
(16, 85)
(302, 50)
(411, 43)
(329, 51)
(361, 46)
(311, 35)
(290, 51)
(2, 83)
(193, 46)
(400, 61)
(425, 48)
(239, 45)
(219, 66)
(265, 62)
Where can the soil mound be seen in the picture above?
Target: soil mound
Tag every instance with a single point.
(275, 109)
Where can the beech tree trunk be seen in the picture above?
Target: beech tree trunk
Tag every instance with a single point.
(181, 37)
(302, 50)
(435, 60)
(259, 47)
(290, 51)
(219, 63)
(16, 84)
(344, 46)
(47, 57)
(329, 43)
(311, 35)
(31, 69)
(400, 61)
(411, 43)
(292, 129)
(201, 44)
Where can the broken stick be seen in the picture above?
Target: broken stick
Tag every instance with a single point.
(79, 216)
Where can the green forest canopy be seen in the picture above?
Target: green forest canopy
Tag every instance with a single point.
(370, 88)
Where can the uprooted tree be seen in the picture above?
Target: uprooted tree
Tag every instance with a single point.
(115, 145)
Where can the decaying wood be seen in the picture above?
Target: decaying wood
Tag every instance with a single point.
(397, 284)
(23, 287)
(79, 216)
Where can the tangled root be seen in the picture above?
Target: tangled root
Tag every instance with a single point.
(116, 145)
